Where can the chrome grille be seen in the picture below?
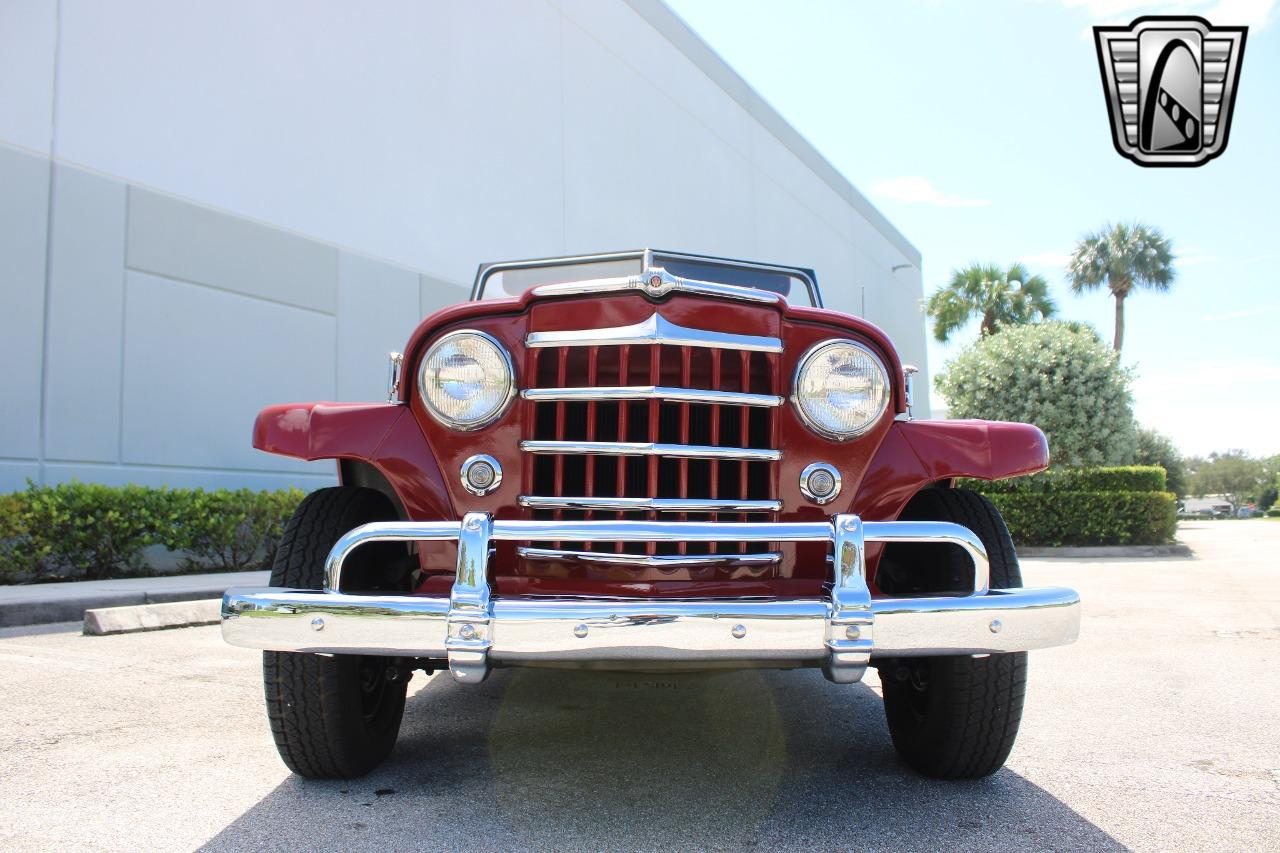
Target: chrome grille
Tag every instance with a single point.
(661, 423)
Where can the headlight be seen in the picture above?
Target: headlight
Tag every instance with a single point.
(841, 388)
(466, 380)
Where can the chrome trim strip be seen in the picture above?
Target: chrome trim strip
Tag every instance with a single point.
(649, 448)
(657, 283)
(645, 504)
(655, 330)
(533, 629)
(766, 558)
(651, 392)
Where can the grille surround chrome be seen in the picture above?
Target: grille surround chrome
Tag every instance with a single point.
(656, 330)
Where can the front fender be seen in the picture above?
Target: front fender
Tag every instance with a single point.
(984, 450)
(384, 435)
(916, 454)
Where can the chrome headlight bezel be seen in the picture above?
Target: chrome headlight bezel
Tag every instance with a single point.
(804, 362)
(490, 416)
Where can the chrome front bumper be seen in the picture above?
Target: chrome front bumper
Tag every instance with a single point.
(473, 631)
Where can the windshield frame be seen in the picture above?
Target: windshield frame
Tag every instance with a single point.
(648, 258)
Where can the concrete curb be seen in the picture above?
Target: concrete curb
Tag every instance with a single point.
(42, 604)
(1110, 552)
(152, 617)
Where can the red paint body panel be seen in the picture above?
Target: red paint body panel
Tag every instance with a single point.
(915, 454)
(381, 434)
(881, 470)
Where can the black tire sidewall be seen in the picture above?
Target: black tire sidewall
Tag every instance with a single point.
(315, 701)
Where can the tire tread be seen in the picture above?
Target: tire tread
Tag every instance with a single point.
(971, 731)
(308, 696)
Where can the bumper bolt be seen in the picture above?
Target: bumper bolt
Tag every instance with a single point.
(853, 632)
(317, 624)
(995, 626)
(580, 631)
(467, 632)
(739, 631)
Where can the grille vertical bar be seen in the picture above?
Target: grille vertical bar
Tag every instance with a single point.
(562, 368)
(655, 422)
(744, 427)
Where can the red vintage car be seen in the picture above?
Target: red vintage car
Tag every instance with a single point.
(655, 461)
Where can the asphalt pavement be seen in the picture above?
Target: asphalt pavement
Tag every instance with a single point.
(1159, 729)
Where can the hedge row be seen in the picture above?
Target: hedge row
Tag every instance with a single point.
(89, 531)
(1127, 478)
(1089, 518)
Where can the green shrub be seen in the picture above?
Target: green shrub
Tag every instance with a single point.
(1274, 512)
(1125, 478)
(20, 556)
(1061, 378)
(88, 531)
(1089, 518)
(229, 530)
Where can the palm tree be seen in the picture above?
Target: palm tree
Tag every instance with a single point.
(1125, 257)
(1001, 297)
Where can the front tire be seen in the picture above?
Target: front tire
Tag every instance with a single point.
(332, 717)
(956, 717)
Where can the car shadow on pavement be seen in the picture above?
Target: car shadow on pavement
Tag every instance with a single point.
(593, 760)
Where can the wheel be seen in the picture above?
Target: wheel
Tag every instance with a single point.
(334, 717)
(954, 717)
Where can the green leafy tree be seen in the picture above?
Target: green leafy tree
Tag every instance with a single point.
(1235, 475)
(1155, 448)
(1124, 257)
(1060, 378)
(999, 297)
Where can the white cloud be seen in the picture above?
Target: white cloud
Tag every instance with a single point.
(914, 189)
(1252, 13)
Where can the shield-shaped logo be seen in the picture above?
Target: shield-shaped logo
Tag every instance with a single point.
(1170, 84)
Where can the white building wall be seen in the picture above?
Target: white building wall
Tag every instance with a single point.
(210, 207)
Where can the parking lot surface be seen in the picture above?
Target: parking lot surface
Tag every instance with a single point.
(1159, 729)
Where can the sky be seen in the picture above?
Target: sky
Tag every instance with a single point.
(981, 131)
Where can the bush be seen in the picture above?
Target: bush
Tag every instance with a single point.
(88, 531)
(1089, 518)
(229, 530)
(1274, 512)
(1061, 378)
(1086, 506)
(19, 556)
